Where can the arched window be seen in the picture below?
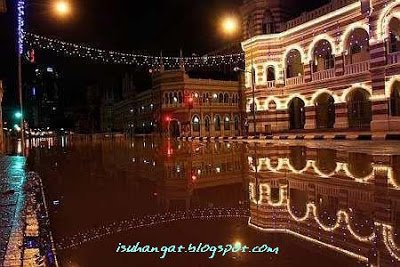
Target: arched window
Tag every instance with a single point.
(207, 123)
(294, 64)
(249, 26)
(176, 98)
(395, 100)
(297, 114)
(394, 35)
(272, 105)
(359, 108)
(357, 46)
(227, 123)
(325, 111)
(221, 98)
(322, 56)
(217, 123)
(270, 73)
(171, 98)
(237, 123)
(196, 124)
(268, 26)
(226, 98)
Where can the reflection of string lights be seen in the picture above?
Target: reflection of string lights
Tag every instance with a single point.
(287, 231)
(342, 218)
(311, 209)
(148, 221)
(264, 164)
(388, 239)
(265, 195)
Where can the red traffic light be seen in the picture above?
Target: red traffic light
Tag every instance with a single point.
(168, 118)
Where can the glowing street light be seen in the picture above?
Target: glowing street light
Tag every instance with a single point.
(62, 8)
(230, 25)
(18, 115)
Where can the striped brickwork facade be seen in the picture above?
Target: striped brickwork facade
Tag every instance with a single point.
(337, 23)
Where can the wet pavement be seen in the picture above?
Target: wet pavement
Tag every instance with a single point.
(12, 179)
(334, 202)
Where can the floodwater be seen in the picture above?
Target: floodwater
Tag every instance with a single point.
(319, 206)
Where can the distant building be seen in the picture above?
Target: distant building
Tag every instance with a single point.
(44, 105)
(335, 68)
(182, 106)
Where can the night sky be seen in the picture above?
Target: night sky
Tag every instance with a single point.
(153, 26)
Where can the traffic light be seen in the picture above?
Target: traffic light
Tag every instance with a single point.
(18, 115)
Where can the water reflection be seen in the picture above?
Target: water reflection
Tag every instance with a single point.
(347, 202)
(334, 200)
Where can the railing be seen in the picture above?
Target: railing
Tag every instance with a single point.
(270, 84)
(323, 75)
(356, 68)
(295, 80)
(393, 58)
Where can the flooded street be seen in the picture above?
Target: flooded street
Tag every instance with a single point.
(316, 204)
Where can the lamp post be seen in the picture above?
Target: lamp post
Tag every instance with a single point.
(62, 8)
(253, 86)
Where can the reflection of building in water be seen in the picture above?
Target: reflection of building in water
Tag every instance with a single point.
(192, 175)
(347, 202)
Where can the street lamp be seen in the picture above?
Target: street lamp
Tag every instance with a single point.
(253, 86)
(62, 8)
(229, 25)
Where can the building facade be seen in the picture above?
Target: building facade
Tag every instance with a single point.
(198, 107)
(178, 105)
(334, 68)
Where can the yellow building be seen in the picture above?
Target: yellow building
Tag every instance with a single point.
(198, 107)
(178, 105)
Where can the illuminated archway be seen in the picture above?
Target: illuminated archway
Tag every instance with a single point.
(359, 108)
(325, 111)
(297, 114)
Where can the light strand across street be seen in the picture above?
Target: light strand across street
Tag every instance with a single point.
(34, 41)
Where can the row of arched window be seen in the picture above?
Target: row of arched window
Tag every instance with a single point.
(218, 122)
(221, 98)
(359, 108)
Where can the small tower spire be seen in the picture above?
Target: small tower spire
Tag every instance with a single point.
(181, 61)
(162, 67)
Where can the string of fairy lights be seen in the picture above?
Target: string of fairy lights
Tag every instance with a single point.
(149, 221)
(28, 41)
(35, 41)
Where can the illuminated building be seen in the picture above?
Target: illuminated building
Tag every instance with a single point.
(198, 107)
(331, 198)
(178, 105)
(335, 68)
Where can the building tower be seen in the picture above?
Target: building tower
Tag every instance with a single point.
(265, 16)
